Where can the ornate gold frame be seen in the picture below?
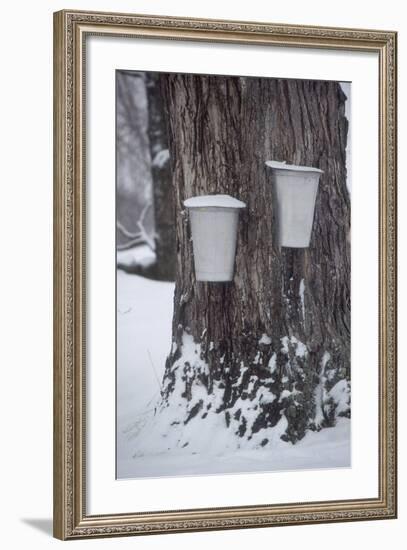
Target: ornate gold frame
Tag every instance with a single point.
(70, 518)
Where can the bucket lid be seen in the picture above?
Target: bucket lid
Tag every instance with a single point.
(214, 201)
(283, 166)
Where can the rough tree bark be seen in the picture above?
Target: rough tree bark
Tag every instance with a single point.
(271, 350)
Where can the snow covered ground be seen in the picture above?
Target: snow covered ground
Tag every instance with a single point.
(144, 314)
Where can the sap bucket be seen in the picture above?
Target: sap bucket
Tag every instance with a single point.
(295, 190)
(214, 220)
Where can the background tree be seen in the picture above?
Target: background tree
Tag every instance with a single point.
(145, 209)
(267, 355)
(134, 181)
(164, 213)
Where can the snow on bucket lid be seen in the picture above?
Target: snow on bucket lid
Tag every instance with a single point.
(214, 201)
(283, 166)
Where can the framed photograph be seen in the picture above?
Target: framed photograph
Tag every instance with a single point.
(225, 274)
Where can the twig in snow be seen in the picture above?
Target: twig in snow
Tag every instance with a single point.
(124, 312)
(155, 372)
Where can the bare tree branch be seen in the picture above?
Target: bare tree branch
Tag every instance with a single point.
(134, 242)
(126, 232)
(146, 208)
(141, 237)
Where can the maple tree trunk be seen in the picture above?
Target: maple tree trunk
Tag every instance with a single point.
(268, 348)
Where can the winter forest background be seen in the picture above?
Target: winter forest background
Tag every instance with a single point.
(252, 375)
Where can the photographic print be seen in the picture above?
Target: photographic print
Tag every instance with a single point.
(233, 200)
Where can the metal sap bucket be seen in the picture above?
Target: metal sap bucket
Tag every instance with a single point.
(214, 220)
(295, 192)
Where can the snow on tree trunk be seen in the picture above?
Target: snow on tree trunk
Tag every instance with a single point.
(266, 356)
